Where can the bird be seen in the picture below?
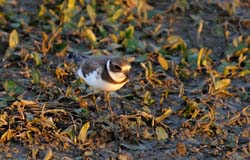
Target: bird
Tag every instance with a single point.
(105, 73)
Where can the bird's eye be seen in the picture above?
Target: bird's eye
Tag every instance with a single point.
(117, 68)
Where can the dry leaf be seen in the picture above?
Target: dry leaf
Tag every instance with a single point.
(199, 29)
(83, 132)
(163, 62)
(60, 73)
(71, 4)
(142, 3)
(8, 135)
(200, 54)
(117, 14)
(13, 39)
(166, 113)
(222, 84)
(90, 35)
(91, 13)
(27, 103)
(130, 59)
(45, 38)
(48, 155)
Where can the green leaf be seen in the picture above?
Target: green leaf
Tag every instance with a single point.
(9, 85)
(132, 45)
(3, 104)
(129, 32)
(103, 31)
(37, 58)
(218, 31)
(36, 76)
(13, 39)
(147, 100)
(8, 54)
(161, 134)
(19, 90)
(7, 98)
(192, 60)
(59, 47)
(141, 58)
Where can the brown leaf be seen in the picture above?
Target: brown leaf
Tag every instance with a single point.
(6, 136)
(181, 149)
(27, 102)
(166, 113)
(48, 155)
(139, 3)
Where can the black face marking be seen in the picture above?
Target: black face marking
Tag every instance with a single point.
(115, 68)
(105, 76)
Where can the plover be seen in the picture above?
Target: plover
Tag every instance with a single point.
(105, 73)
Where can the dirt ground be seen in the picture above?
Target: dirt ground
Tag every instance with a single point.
(188, 98)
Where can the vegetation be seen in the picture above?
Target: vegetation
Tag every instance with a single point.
(189, 95)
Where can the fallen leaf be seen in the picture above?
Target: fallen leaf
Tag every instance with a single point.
(83, 132)
(13, 39)
(161, 134)
(27, 103)
(37, 58)
(163, 62)
(222, 84)
(90, 35)
(49, 154)
(91, 13)
(36, 76)
(116, 15)
(166, 113)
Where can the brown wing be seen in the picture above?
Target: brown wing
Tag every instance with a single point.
(92, 63)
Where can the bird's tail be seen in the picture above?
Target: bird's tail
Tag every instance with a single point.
(76, 57)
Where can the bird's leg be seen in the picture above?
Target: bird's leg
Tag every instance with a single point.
(107, 97)
(94, 100)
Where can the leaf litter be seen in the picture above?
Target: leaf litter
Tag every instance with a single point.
(188, 96)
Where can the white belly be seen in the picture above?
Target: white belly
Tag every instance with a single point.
(93, 79)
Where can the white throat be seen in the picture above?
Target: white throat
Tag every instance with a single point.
(116, 76)
(79, 72)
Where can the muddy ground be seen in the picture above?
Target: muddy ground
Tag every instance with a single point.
(188, 98)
